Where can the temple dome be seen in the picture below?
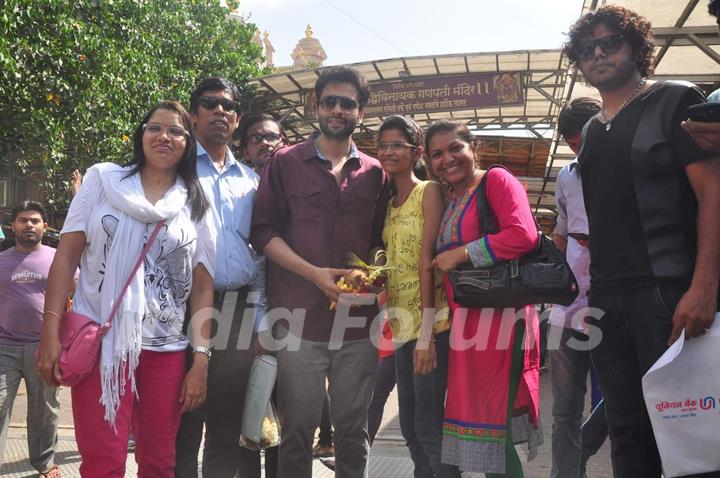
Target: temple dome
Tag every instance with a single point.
(308, 52)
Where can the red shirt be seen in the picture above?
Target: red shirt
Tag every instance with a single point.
(299, 200)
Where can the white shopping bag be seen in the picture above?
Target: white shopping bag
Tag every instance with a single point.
(682, 395)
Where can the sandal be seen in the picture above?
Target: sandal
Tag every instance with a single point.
(53, 472)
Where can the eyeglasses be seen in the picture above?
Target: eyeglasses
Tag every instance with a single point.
(211, 102)
(395, 146)
(328, 103)
(174, 131)
(608, 44)
(259, 138)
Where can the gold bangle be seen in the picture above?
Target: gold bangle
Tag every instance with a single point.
(51, 313)
(467, 254)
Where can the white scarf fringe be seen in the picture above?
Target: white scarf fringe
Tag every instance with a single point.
(120, 352)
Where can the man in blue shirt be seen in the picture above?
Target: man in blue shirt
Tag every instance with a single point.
(569, 353)
(239, 284)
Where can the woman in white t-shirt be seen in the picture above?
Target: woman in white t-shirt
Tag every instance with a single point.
(140, 381)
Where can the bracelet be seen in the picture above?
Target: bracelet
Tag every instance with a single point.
(467, 254)
(51, 313)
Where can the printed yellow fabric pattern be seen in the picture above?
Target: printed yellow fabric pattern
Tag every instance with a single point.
(402, 236)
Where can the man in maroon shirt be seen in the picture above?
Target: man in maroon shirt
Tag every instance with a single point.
(316, 202)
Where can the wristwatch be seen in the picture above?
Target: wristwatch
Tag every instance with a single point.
(203, 350)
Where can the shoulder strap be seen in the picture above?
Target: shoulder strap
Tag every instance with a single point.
(135, 268)
(486, 217)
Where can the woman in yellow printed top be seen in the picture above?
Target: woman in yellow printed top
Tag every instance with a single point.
(422, 339)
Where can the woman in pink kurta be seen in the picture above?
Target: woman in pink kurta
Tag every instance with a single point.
(493, 377)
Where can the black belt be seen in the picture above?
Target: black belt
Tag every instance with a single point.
(579, 236)
(219, 294)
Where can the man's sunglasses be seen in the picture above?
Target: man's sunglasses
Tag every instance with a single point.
(211, 102)
(328, 103)
(608, 44)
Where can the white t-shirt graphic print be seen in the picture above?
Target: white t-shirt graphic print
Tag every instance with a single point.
(181, 245)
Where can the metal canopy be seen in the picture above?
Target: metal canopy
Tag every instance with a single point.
(544, 75)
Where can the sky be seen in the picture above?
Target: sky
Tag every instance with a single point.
(353, 31)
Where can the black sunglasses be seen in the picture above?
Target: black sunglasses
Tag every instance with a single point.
(328, 102)
(211, 102)
(608, 44)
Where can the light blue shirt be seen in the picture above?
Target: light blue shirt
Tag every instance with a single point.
(714, 97)
(353, 153)
(572, 218)
(570, 202)
(231, 194)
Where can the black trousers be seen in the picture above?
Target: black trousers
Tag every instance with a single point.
(189, 437)
(635, 330)
(228, 374)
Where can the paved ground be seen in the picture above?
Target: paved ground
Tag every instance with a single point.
(389, 458)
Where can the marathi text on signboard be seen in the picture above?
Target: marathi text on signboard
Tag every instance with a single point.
(445, 93)
(438, 94)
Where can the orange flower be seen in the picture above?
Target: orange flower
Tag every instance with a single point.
(125, 138)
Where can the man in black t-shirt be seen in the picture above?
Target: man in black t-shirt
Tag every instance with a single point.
(651, 196)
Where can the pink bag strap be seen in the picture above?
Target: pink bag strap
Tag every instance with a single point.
(118, 301)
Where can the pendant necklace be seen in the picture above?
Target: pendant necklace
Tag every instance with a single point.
(608, 121)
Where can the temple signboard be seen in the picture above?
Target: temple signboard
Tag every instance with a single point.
(438, 94)
(445, 93)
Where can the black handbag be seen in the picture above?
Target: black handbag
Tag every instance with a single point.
(542, 276)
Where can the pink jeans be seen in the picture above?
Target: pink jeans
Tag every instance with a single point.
(154, 419)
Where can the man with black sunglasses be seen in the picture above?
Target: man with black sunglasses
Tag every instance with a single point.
(230, 188)
(260, 135)
(318, 201)
(651, 196)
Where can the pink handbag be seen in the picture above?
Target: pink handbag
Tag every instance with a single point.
(81, 337)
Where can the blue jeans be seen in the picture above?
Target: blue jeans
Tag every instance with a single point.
(594, 432)
(568, 377)
(635, 328)
(422, 409)
(595, 392)
(384, 384)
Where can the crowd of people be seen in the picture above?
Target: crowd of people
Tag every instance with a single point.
(242, 258)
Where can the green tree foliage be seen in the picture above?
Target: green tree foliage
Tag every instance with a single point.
(77, 76)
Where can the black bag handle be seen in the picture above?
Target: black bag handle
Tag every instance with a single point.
(486, 217)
